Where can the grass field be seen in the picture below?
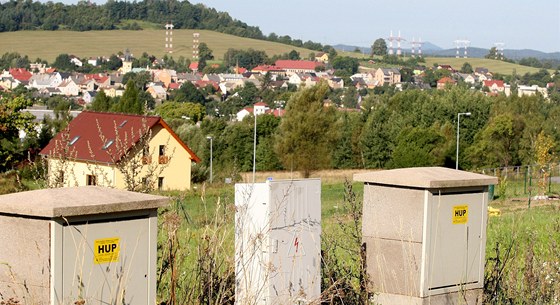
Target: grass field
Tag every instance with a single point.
(49, 44)
(495, 66)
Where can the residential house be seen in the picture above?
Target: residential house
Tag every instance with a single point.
(390, 76)
(322, 57)
(467, 78)
(104, 148)
(336, 83)
(9, 82)
(157, 92)
(495, 86)
(444, 82)
(194, 66)
(76, 61)
(446, 67)
(69, 88)
(188, 77)
(20, 74)
(92, 61)
(165, 76)
(89, 96)
(257, 109)
(44, 80)
(273, 70)
(297, 66)
(531, 90)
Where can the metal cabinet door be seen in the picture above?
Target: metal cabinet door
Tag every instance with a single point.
(455, 243)
(90, 269)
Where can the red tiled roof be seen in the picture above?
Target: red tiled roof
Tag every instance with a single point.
(446, 80)
(490, 83)
(297, 64)
(174, 86)
(88, 136)
(278, 112)
(266, 68)
(261, 104)
(20, 74)
(193, 66)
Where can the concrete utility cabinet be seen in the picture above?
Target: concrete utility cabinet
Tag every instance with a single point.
(278, 242)
(425, 233)
(89, 243)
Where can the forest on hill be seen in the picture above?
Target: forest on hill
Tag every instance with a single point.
(16, 15)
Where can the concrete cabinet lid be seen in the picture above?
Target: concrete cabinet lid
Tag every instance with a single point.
(76, 201)
(426, 177)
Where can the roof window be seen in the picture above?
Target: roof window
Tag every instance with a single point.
(73, 141)
(123, 123)
(108, 143)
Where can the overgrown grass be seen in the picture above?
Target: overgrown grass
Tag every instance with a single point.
(494, 66)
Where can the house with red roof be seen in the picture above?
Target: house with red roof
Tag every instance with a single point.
(444, 82)
(297, 66)
(495, 86)
(124, 151)
(21, 74)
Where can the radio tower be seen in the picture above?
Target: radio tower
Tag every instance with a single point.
(169, 37)
(195, 46)
(461, 43)
(500, 50)
(391, 39)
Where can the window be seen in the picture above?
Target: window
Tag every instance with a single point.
(74, 140)
(146, 158)
(108, 143)
(160, 183)
(163, 159)
(91, 180)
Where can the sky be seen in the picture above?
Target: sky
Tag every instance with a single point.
(520, 24)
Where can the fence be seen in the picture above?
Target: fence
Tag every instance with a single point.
(526, 180)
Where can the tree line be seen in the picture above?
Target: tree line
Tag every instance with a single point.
(16, 15)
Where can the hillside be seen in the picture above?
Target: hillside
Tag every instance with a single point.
(49, 44)
(492, 65)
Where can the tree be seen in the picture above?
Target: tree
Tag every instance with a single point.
(12, 119)
(189, 93)
(63, 63)
(379, 47)
(293, 55)
(130, 101)
(418, 147)
(307, 131)
(466, 68)
(101, 102)
(492, 53)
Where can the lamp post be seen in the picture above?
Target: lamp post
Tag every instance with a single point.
(458, 120)
(255, 147)
(210, 138)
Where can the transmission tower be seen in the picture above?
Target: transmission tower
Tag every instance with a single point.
(500, 50)
(399, 39)
(417, 44)
(391, 39)
(169, 37)
(462, 43)
(195, 42)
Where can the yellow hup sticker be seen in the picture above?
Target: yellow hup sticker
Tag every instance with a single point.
(106, 250)
(460, 214)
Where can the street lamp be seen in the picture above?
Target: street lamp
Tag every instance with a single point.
(254, 147)
(458, 119)
(210, 138)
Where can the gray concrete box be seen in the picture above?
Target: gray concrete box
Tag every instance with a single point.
(90, 243)
(425, 233)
